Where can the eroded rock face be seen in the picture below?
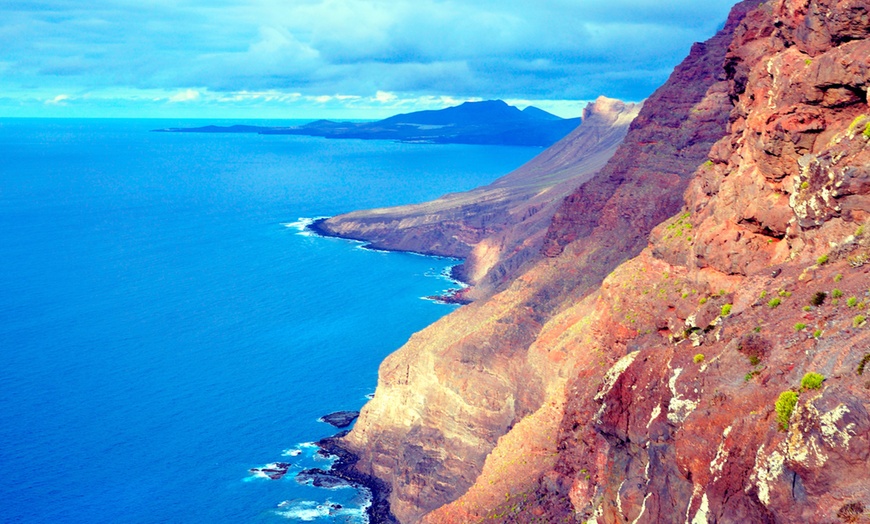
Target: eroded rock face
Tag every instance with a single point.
(482, 375)
(642, 387)
(681, 424)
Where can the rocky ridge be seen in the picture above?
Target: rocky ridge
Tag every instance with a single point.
(656, 365)
(498, 227)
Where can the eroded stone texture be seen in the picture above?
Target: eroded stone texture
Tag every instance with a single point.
(624, 381)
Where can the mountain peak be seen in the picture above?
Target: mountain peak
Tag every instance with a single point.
(609, 109)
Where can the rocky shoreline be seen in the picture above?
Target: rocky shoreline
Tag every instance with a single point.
(456, 296)
(343, 471)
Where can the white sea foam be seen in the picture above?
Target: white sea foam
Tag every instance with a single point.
(309, 510)
(301, 226)
(292, 452)
(305, 511)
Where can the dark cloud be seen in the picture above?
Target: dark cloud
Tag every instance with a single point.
(569, 49)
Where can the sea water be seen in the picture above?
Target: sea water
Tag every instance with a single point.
(166, 325)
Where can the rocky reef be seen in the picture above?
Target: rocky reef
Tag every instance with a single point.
(689, 343)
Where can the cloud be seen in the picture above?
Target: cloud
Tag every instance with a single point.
(551, 49)
(59, 99)
(187, 95)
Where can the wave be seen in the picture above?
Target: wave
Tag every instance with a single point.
(309, 511)
(301, 226)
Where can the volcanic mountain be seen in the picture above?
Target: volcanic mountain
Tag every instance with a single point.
(492, 122)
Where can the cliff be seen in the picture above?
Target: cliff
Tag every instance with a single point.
(656, 362)
(499, 226)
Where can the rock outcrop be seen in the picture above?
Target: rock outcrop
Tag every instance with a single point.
(498, 227)
(656, 364)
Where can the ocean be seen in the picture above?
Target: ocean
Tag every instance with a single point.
(166, 324)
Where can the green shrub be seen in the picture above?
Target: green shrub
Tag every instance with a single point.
(867, 131)
(860, 231)
(836, 293)
(817, 333)
(852, 302)
(822, 260)
(800, 326)
(785, 294)
(754, 360)
(857, 321)
(763, 294)
(808, 308)
(784, 406)
(726, 310)
(774, 303)
(812, 381)
(805, 185)
(839, 276)
(702, 300)
(699, 358)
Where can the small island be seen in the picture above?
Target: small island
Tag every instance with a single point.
(491, 122)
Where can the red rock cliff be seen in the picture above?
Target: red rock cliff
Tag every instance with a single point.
(666, 379)
(486, 372)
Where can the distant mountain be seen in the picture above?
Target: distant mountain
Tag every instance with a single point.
(492, 122)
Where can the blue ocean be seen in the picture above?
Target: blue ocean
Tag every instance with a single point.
(166, 324)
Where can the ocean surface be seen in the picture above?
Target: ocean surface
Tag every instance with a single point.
(166, 325)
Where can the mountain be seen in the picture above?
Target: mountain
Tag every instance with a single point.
(490, 122)
(690, 342)
(502, 223)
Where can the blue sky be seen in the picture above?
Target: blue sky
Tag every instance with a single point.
(335, 58)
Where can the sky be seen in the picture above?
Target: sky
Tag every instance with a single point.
(335, 58)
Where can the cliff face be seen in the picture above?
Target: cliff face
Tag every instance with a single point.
(630, 376)
(486, 374)
(501, 224)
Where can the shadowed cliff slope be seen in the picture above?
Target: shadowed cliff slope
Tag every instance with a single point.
(486, 380)
(713, 370)
(508, 217)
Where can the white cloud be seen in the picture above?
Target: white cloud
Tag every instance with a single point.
(188, 95)
(385, 98)
(58, 100)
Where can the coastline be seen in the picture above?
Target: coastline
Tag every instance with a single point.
(378, 511)
(454, 296)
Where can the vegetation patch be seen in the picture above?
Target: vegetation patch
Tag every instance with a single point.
(836, 293)
(784, 406)
(726, 310)
(800, 326)
(858, 321)
(851, 512)
(812, 380)
(852, 301)
(699, 358)
(822, 260)
(774, 303)
(680, 227)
